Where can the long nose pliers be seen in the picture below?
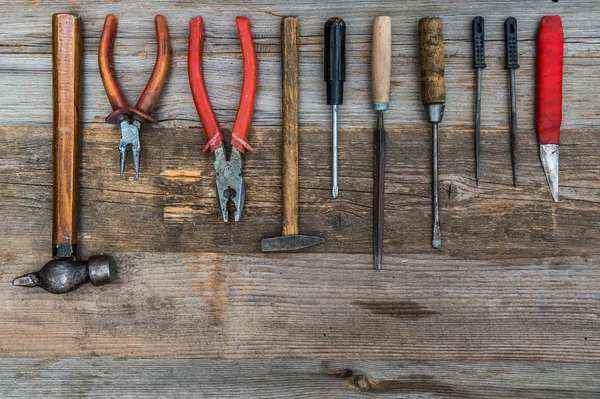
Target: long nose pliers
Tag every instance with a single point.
(131, 118)
(230, 185)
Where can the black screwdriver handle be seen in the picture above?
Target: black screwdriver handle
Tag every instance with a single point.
(335, 60)
(510, 34)
(478, 43)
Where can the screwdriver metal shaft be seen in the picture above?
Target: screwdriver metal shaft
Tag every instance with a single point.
(478, 64)
(512, 63)
(433, 95)
(381, 74)
(335, 76)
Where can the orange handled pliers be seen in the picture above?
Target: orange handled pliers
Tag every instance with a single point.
(230, 185)
(131, 118)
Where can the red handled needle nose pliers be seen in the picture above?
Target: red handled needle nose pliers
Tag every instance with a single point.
(131, 118)
(230, 185)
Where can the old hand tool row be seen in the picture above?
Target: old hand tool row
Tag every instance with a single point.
(65, 273)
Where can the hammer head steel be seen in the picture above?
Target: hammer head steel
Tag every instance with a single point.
(63, 275)
(289, 243)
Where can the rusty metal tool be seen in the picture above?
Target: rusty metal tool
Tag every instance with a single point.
(129, 118)
(381, 75)
(290, 239)
(64, 273)
(230, 184)
(512, 64)
(433, 96)
(335, 76)
(549, 96)
(478, 64)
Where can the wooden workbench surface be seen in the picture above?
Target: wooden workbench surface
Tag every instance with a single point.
(509, 307)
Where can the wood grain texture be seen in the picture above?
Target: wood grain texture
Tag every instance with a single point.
(289, 126)
(173, 207)
(293, 378)
(66, 95)
(431, 60)
(268, 306)
(25, 66)
(507, 308)
(381, 60)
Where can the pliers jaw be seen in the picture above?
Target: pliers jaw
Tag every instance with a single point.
(130, 135)
(230, 184)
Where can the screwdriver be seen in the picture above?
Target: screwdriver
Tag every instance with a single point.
(335, 76)
(433, 95)
(381, 70)
(479, 64)
(512, 63)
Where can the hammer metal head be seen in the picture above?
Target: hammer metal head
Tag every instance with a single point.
(289, 243)
(63, 275)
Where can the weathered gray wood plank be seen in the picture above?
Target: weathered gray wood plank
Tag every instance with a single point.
(293, 378)
(26, 77)
(212, 305)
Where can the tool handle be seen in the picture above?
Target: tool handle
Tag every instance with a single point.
(151, 92)
(107, 72)
(239, 132)
(289, 117)
(549, 80)
(431, 54)
(335, 60)
(66, 80)
(478, 43)
(214, 137)
(510, 38)
(381, 63)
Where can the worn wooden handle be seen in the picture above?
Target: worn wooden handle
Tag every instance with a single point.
(381, 63)
(431, 43)
(66, 62)
(289, 115)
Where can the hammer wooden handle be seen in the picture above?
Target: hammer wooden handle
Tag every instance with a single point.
(431, 55)
(381, 62)
(66, 62)
(289, 106)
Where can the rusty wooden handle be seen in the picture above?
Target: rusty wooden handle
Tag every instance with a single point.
(66, 66)
(431, 43)
(289, 115)
(381, 63)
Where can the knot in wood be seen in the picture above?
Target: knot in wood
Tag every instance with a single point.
(339, 221)
(362, 383)
(450, 189)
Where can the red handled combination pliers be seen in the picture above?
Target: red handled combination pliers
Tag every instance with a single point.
(230, 185)
(131, 118)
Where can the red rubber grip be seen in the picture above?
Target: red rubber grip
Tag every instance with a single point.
(239, 133)
(549, 80)
(211, 128)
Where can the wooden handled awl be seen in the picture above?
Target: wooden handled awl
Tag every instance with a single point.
(549, 96)
(381, 70)
(64, 273)
(290, 239)
(433, 95)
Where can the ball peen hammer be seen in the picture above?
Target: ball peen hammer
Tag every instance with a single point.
(290, 239)
(64, 273)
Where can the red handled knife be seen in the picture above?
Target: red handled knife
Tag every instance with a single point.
(549, 96)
